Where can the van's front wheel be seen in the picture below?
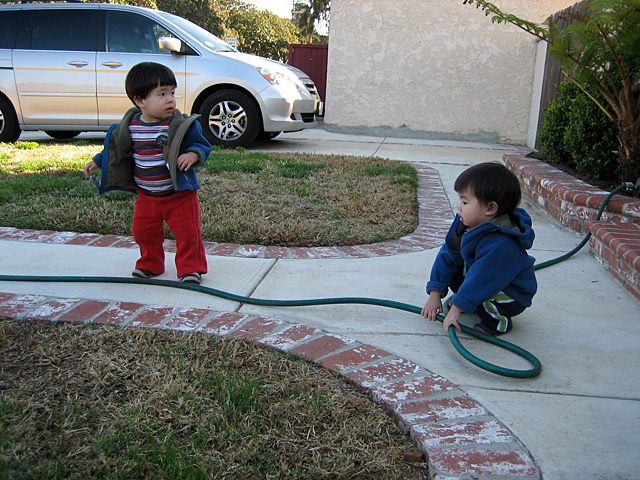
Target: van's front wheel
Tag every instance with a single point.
(230, 119)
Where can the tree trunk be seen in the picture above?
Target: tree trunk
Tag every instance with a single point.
(630, 152)
(629, 132)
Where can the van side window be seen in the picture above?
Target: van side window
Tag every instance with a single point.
(133, 33)
(9, 22)
(67, 29)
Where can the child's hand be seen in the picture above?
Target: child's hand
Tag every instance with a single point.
(186, 160)
(433, 306)
(90, 167)
(452, 319)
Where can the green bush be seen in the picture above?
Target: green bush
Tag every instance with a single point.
(556, 119)
(577, 134)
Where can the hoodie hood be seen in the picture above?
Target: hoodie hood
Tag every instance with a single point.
(518, 224)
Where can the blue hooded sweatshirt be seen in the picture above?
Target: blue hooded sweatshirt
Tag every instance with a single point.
(492, 257)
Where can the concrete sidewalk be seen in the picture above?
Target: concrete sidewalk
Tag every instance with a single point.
(578, 420)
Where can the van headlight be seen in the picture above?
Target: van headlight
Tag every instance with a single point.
(282, 79)
(274, 77)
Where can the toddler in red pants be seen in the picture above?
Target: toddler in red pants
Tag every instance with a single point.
(154, 151)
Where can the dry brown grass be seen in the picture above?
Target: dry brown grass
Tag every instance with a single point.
(284, 199)
(107, 402)
(338, 200)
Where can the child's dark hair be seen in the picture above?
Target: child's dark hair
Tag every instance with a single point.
(491, 182)
(145, 76)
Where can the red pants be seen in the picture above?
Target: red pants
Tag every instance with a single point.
(182, 213)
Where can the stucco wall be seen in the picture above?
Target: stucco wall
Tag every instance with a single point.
(432, 69)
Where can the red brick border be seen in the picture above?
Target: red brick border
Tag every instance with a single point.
(615, 240)
(616, 246)
(434, 213)
(459, 438)
(570, 201)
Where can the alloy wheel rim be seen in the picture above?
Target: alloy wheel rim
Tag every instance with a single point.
(228, 120)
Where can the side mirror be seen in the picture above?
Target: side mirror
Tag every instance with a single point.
(173, 45)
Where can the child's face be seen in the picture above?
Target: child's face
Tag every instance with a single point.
(158, 105)
(472, 212)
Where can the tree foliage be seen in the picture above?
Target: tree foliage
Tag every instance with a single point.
(600, 52)
(309, 12)
(200, 12)
(258, 31)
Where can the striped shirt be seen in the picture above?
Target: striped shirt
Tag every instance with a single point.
(150, 172)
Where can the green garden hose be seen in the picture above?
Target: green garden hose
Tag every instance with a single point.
(534, 371)
(312, 302)
(624, 186)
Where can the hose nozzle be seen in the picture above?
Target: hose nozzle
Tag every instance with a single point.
(634, 189)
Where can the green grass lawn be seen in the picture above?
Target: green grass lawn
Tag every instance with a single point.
(246, 197)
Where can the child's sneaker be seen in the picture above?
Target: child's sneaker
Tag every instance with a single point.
(488, 330)
(478, 327)
(142, 273)
(191, 278)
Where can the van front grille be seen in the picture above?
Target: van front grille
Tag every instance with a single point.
(312, 88)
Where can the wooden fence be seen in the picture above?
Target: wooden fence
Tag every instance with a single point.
(553, 70)
(312, 60)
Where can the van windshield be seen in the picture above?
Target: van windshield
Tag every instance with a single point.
(206, 38)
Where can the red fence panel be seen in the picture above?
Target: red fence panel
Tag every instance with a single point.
(312, 60)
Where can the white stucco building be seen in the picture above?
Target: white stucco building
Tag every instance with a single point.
(435, 69)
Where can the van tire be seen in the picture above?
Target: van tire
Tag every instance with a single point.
(62, 134)
(230, 119)
(9, 127)
(266, 136)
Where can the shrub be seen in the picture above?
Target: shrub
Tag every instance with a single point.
(556, 119)
(576, 133)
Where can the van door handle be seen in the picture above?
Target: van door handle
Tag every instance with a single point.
(78, 63)
(112, 64)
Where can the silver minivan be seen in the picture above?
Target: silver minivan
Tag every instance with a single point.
(63, 65)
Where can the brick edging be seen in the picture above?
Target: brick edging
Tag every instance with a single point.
(457, 435)
(567, 199)
(615, 242)
(616, 247)
(434, 220)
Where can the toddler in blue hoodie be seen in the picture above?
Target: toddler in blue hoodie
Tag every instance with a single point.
(484, 260)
